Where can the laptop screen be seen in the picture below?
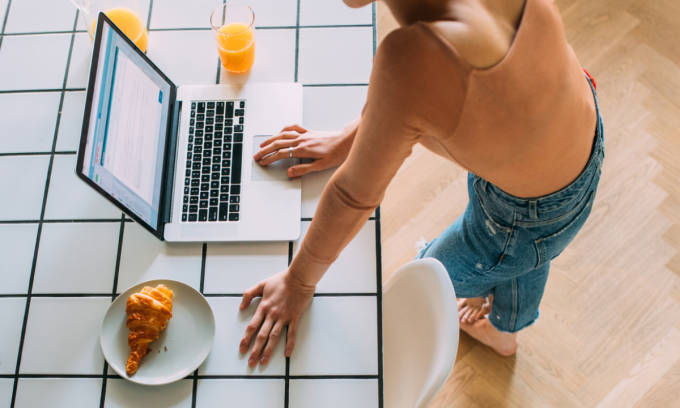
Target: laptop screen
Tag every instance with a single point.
(129, 108)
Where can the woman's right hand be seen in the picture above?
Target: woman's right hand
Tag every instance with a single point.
(326, 149)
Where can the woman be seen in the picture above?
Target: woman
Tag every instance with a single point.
(492, 85)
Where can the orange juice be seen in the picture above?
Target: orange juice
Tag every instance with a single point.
(129, 23)
(236, 45)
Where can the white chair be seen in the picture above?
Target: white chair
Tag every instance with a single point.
(420, 333)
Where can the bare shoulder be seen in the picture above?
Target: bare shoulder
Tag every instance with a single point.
(483, 32)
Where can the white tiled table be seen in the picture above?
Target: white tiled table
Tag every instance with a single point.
(65, 252)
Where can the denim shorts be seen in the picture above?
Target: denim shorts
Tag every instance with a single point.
(503, 245)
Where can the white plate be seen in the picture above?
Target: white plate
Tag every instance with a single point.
(181, 347)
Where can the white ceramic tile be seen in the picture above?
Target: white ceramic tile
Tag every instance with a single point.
(322, 12)
(187, 57)
(3, 9)
(225, 358)
(355, 269)
(335, 393)
(332, 107)
(260, 393)
(70, 198)
(33, 61)
(11, 320)
(28, 121)
(71, 122)
(182, 13)
(76, 257)
(274, 58)
(124, 394)
(17, 244)
(24, 176)
(312, 187)
(324, 54)
(274, 13)
(62, 336)
(337, 335)
(58, 392)
(6, 384)
(233, 268)
(39, 15)
(81, 58)
(144, 257)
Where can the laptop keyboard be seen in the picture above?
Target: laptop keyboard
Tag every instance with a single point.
(212, 184)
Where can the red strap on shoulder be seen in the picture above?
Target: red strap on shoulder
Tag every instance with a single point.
(591, 78)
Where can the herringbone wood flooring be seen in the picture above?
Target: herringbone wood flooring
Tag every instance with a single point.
(609, 331)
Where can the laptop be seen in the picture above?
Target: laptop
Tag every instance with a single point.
(178, 160)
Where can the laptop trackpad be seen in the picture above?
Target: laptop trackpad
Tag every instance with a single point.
(276, 171)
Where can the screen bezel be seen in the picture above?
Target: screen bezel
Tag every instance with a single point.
(164, 193)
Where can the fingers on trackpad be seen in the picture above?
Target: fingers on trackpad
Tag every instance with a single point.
(273, 172)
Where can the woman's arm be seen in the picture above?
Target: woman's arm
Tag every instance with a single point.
(395, 115)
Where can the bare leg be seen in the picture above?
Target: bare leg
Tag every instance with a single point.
(482, 330)
(472, 309)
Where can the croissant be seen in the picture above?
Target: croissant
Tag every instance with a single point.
(148, 312)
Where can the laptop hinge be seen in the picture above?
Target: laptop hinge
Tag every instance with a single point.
(171, 158)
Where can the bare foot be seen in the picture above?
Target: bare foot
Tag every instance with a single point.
(472, 309)
(482, 330)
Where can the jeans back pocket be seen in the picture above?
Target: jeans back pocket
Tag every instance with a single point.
(550, 246)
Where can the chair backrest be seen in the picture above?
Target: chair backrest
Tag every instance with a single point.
(420, 333)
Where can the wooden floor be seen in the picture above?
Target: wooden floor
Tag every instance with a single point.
(609, 331)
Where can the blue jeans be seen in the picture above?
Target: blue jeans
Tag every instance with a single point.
(503, 245)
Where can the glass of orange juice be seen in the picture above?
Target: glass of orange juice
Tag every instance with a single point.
(233, 25)
(125, 14)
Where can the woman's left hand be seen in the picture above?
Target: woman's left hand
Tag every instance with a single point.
(284, 299)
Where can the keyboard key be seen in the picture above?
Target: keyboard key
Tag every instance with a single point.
(205, 178)
(220, 106)
(186, 190)
(199, 140)
(227, 146)
(192, 217)
(224, 198)
(226, 155)
(211, 105)
(201, 106)
(209, 121)
(224, 189)
(203, 215)
(214, 184)
(199, 125)
(207, 152)
(191, 134)
(218, 134)
(240, 120)
(193, 208)
(236, 167)
(233, 217)
(185, 199)
(203, 204)
(212, 214)
(216, 167)
(188, 171)
(208, 129)
(234, 199)
(193, 114)
(194, 191)
(238, 128)
(200, 117)
(193, 105)
(215, 176)
(205, 186)
(213, 201)
(227, 139)
(219, 119)
(242, 104)
(224, 210)
(207, 145)
(206, 161)
(225, 181)
(217, 151)
(186, 181)
(238, 137)
(189, 155)
(225, 171)
(196, 166)
(192, 122)
(185, 208)
(226, 162)
(216, 159)
(233, 208)
(184, 217)
(198, 133)
(228, 122)
(205, 169)
(195, 182)
(194, 199)
(214, 193)
(235, 189)
(204, 195)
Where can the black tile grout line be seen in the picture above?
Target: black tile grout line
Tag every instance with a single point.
(11, 91)
(165, 29)
(63, 221)
(194, 385)
(297, 42)
(314, 85)
(210, 377)
(42, 216)
(4, 21)
(286, 392)
(54, 295)
(63, 152)
(148, 18)
(208, 295)
(114, 289)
